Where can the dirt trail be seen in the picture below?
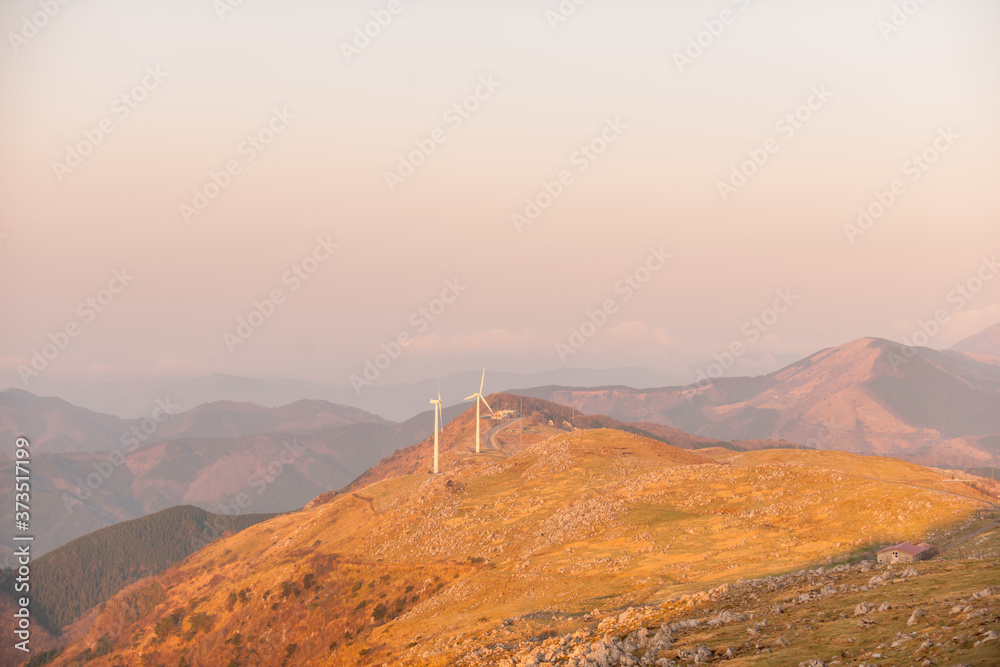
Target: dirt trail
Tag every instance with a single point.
(370, 501)
(931, 488)
(496, 429)
(968, 536)
(963, 538)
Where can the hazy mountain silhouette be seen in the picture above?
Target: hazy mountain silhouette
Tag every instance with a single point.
(867, 396)
(95, 471)
(985, 342)
(136, 397)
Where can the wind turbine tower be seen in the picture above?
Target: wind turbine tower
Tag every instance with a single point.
(479, 397)
(437, 420)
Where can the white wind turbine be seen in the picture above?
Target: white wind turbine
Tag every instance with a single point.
(479, 397)
(437, 420)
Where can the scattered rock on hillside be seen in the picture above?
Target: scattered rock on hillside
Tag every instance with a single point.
(901, 638)
(725, 618)
(988, 636)
(699, 655)
(863, 608)
(643, 636)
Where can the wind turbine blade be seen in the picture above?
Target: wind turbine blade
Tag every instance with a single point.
(439, 389)
(469, 398)
(481, 382)
(487, 404)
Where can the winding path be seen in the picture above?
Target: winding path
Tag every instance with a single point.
(488, 439)
(964, 538)
(968, 536)
(990, 504)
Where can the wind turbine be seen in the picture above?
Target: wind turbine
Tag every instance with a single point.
(437, 419)
(479, 397)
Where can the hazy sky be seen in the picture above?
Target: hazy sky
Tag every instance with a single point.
(198, 82)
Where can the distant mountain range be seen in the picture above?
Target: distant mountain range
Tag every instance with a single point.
(138, 397)
(59, 426)
(91, 470)
(870, 396)
(584, 485)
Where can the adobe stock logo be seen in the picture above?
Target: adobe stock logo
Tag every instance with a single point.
(562, 12)
(959, 297)
(121, 108)
(249, 150)
(900, 17)
(752, 330)
(139, 433)
(787, 126)
(915, 167)
(32, 25)
(224, 7)
(420, 320)
(713, 30)
(627, 287)
(550, 191)
(370, 31)
(263, 310)
(59, 340)
(455, 117)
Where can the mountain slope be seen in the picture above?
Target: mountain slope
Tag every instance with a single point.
(419, 569)
(79, 493)
(868, 396)
(985, 343)
(72, 579)
(134, 397)
(229, 419)
(55, 426)
(542, 419)
(923, 614)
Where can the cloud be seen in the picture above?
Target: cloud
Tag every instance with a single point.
(491, 340)
(638, 333)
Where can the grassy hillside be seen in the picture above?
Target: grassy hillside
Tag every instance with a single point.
(69, 581)
(418, 570)
(93, 470)
(279, 472)
(927, 614)
(542, 419)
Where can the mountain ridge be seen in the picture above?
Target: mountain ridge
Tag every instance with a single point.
(986, 343)
(867, 396)
(420, 569)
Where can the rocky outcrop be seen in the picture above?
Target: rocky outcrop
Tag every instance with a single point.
(665, 636)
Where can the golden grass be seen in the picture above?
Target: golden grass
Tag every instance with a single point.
(587, 519)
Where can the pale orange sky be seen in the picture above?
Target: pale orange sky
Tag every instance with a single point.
(324, 175)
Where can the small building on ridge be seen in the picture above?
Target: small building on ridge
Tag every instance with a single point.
(907, 552)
